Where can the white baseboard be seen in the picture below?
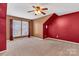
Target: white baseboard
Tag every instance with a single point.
(2, 51)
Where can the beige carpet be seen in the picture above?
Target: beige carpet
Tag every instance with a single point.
(38, 47)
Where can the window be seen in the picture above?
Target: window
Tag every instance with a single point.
(20, 28)
(16, 28)
(24, 28)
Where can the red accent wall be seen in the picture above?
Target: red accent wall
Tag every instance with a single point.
(49, 21)
(65, 27)
(3, 8)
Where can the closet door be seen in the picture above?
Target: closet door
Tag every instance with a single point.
(25, 28)
(16, 28)
(3, 10)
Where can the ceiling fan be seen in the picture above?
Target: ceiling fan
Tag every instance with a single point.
(38, 10)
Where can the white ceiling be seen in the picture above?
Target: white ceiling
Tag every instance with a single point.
(20, 9)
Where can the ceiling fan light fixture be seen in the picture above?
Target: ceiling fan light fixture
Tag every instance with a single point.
(37, 12)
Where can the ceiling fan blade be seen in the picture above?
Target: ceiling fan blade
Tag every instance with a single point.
(43, 13)
(44, 8)
(31, 11)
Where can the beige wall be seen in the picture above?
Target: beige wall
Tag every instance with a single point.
(8, 27)
(38, 26)
(8, 18)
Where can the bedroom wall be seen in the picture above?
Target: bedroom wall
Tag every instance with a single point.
(38, 26)
(3, 9)
(65, 27)
(8, 18)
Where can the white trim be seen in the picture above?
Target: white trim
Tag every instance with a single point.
(2, 51)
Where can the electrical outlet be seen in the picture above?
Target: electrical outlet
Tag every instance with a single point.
(57, 36)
